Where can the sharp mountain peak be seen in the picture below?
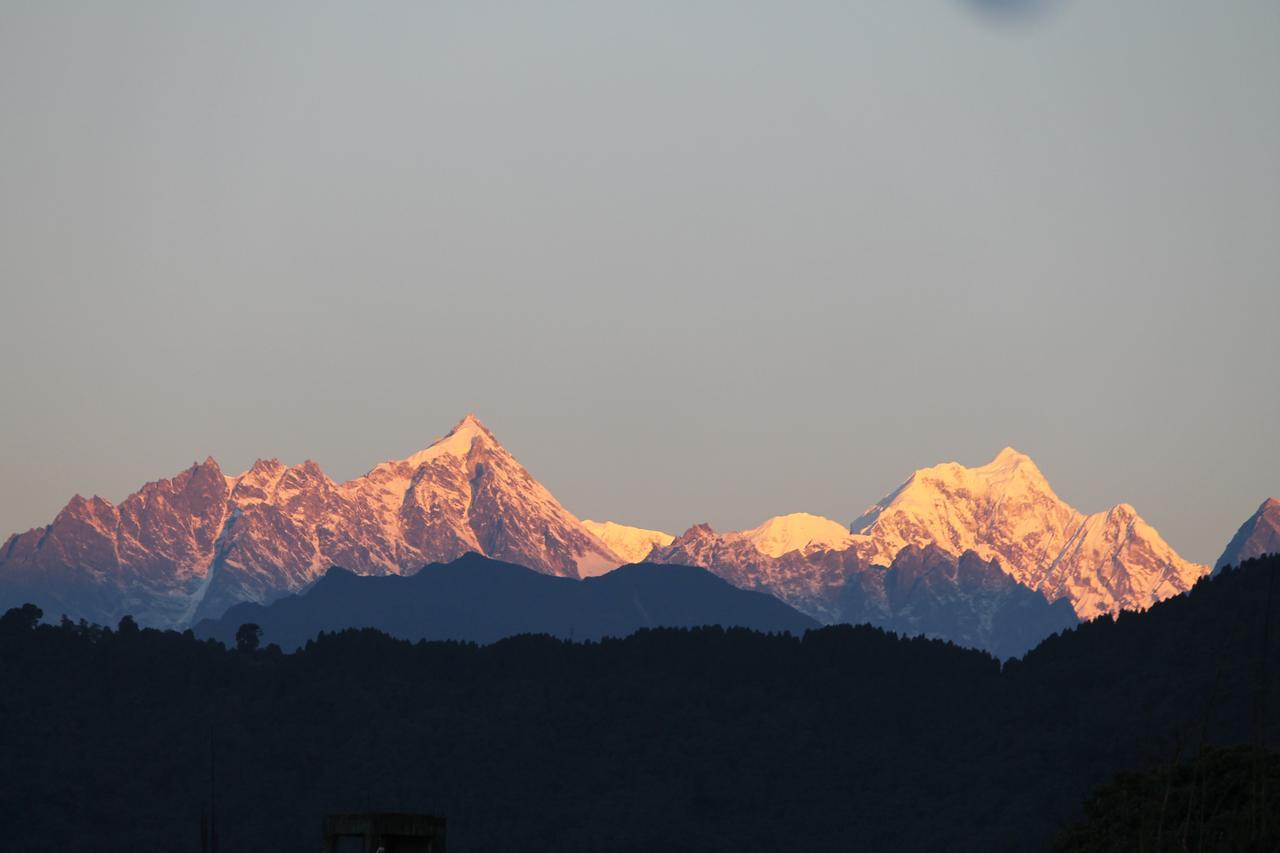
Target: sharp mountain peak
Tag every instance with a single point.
(192, 545)
(1258, 536)
(1003, 511)
(456, 442)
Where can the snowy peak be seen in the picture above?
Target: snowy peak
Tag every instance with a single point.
(1009, 459)
(258, 484)
(631, 544)
(1003, 512)
(181, 549)
(190, 546)
(781, 535)
(777, 536)
(1116, 561)
(457, 442)
(1005, 505)
(929, 492)
(1258, 536)
(1006, 511)
(795, 532)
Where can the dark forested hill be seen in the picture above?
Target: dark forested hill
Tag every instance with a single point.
(482, 600)
(704, 739)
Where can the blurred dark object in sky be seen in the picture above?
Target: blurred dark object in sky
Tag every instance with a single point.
(1011, 10)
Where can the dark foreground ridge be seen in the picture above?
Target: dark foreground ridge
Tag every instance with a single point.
(482, 600)
(704, 739)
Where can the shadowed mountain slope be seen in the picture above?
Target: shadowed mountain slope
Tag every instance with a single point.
(481, 600)
(1258, 536)
(967, 600)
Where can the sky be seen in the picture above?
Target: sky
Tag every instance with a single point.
(690, 261)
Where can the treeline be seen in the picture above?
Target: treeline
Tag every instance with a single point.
(705, 739)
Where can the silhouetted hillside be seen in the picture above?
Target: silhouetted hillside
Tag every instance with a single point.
(1212, 799)
(705, 739)
(482, 600)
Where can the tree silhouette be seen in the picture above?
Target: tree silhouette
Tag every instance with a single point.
(727, 739)
(20, 619)
(248, 638)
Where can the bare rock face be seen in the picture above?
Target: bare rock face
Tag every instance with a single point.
(190, 547)
(967, 600)
(929, 591)
(1258, 536)
(150, 553)
(808, 579)
(1003, 512)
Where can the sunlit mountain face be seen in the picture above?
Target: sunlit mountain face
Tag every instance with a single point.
(981, 555)
(632, 544)
(1004, 512)
(191, 546)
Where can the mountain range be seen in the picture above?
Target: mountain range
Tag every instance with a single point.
(988, 556)
(189, 547)
(1004, 511)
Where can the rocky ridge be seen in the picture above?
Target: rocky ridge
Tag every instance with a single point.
(191, 546)
(1004, 512)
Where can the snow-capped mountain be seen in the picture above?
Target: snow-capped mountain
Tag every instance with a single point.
(1006, 511)
(1258, 536)
(798, 531)
(632, 544)
(191, 546)
(800, 558)
(807, 579)
(1003, 511)
(962, 598)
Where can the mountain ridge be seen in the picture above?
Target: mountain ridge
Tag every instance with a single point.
(632, 544)
(188, 547)
(1004, 511)
(476, 599)
(1257, 537)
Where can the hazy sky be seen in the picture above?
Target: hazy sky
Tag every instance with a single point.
(690, 260)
